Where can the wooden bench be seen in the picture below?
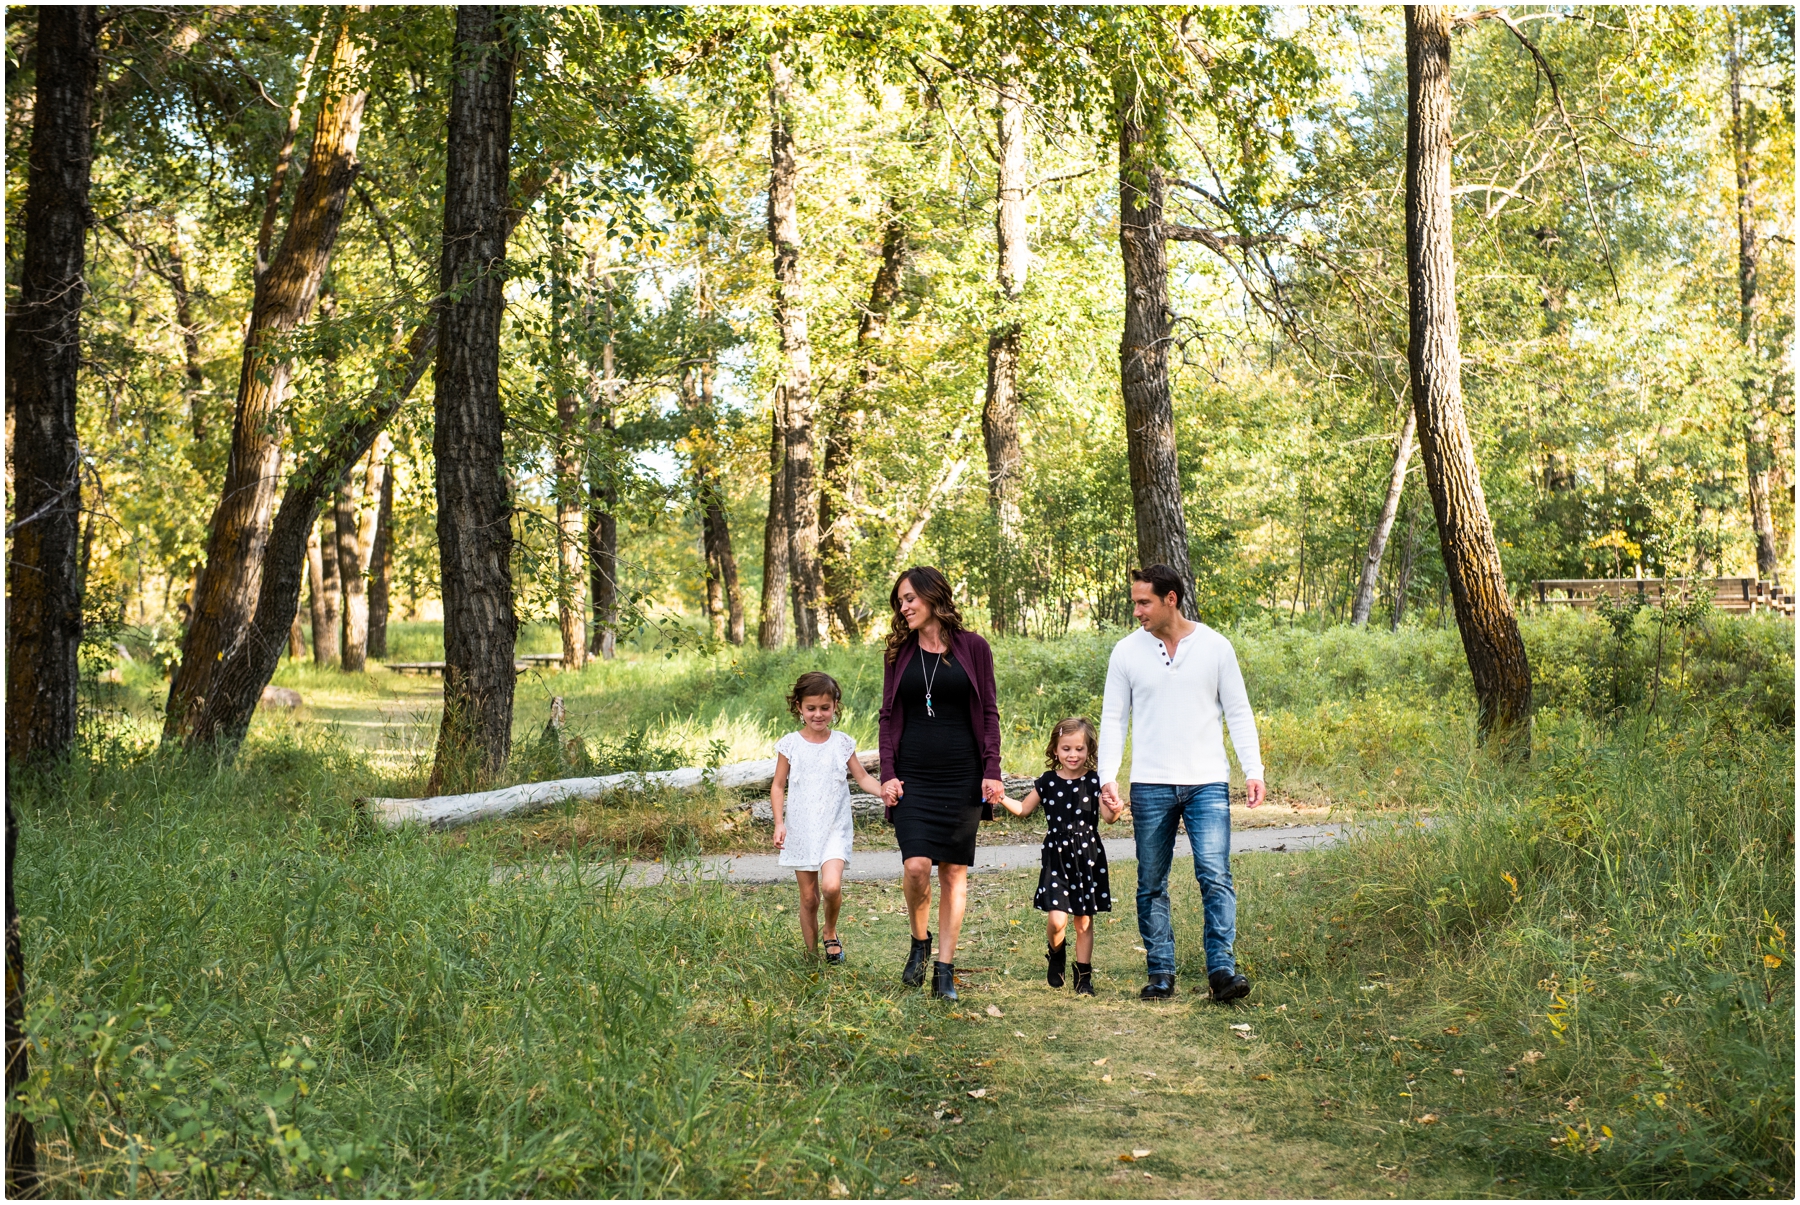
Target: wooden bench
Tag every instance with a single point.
(520, 664)
(1733, 595)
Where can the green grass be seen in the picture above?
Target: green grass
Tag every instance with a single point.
(237, 986)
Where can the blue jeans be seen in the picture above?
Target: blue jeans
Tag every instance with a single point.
(1157, 810)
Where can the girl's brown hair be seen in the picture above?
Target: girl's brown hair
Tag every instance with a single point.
(810, 684)
(1074, 723)
(934, 588)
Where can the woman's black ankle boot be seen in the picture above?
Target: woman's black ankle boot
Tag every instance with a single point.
(943, 980)
(914, 974)
(1084, 979)
(1058, 958)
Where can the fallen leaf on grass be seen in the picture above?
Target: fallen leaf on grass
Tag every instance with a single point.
(1099, 1062)
(978, 1093)
(1017, 1034)
(1106, 1079)
(993, 1010)
(1262, 1077)
(1430, 1119)
(1242, 1028)
(1241, 1034)
(1531, 1056)
(910, 1178)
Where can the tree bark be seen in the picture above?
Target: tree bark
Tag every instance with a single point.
(247, 668)
(771, 631)
(1484, 613)
(838, 499)
(333, 603)
(1758, 456)
(1000, 411)
(800, 491)
(381, 568)
(284, 298)
(318, 614)
(43, 358)
(353, 643)
(571, 615)
(474, 519)
(175, 272)
(21, 1142)
(1144, 347)
(1384, 523)
(724, 597)
(603, 521)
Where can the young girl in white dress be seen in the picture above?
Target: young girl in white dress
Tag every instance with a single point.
(811, 801)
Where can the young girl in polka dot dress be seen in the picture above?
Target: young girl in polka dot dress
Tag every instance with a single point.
(1073, 881)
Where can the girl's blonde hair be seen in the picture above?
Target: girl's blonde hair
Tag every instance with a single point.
(811, 683)
(1062, 728)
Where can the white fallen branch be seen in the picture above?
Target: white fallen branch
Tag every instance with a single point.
(448, 811)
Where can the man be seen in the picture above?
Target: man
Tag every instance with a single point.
(1171, 683)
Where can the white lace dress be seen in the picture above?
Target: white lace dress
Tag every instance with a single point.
(819, 824)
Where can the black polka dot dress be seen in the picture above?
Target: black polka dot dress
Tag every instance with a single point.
(1073, 879)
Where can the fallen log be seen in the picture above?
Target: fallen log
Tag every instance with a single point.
(448, 811)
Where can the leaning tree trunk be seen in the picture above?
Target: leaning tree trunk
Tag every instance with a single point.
(284, 298)
(1484, 613)
(293, 542)
(1384, 523)
(43, 356)
(381, 568)
(1758, 456)
(800, 491)
(1000, 412)
(838, 498)
(771, 629)
(474, 517)
(1144, 349)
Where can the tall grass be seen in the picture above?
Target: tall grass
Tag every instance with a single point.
(1579, 974)
(238, 988)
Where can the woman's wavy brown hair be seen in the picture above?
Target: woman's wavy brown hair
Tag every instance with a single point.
(934, 588)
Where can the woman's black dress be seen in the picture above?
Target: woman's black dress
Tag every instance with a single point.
(940, 811)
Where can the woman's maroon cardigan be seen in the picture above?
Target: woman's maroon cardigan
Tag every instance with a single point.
(977, 659)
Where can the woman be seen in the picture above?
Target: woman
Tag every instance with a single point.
(940, 755)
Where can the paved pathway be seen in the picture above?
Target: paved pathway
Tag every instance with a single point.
(884, 864)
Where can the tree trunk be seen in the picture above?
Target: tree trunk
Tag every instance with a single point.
(571, 615)
(1757, 454)
(1484, 613)
(320, 616)
(43, 356)
(1000, 412)
(334, 598)
(474, 517)
(247, 668)
(838, 499)
(1384, 523)
(1403, 581)
(296, 639)
(603, 521)
(1144, 348)
(21, 1142)
(771, 631)
(284, 298)
(381, 567)
(800, 491)
(353, 647)
(175, 272)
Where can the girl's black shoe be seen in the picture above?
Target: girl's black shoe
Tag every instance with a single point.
(1084, 979)
(914, 974)
(1057, 957)
(943, 980)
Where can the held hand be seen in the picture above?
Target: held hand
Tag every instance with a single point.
(891, 790)
(994, 791)
(1253, 792)
(780, 835)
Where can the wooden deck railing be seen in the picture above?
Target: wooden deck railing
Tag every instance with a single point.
(1735, 595)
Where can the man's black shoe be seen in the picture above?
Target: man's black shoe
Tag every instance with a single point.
(1228, 985)
(1160, 987)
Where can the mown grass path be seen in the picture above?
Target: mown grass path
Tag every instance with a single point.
(1218, 1118)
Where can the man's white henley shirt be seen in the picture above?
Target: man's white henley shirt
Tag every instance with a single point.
(1173, 707)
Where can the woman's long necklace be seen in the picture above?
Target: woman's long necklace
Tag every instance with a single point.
(929, 679)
